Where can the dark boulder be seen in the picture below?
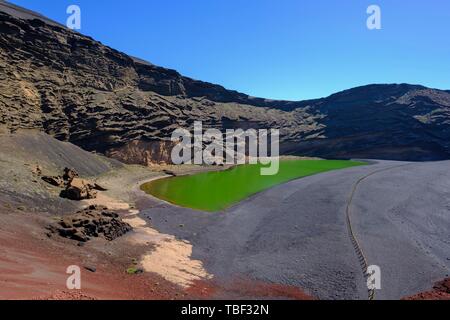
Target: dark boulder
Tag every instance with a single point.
(79, 189)
(93, 222)
(69, 174)
(56, 181)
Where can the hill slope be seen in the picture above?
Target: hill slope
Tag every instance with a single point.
(76, 89)
(20, 155)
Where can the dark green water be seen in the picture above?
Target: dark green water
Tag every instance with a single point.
(215, 191)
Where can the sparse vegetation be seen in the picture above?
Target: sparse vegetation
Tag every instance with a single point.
(134, 270)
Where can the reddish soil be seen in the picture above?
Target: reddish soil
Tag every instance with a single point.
(33, 266)
(246, 289)
(441, 291)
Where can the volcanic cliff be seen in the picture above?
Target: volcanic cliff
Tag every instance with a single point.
(76, 89)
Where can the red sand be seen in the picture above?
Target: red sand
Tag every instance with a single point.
(33, 266)
(441, 291)
(245, 289)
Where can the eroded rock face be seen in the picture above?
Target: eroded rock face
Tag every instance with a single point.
(79, 189)
(93, 222)
(78, 90)
(69, 174)
(81, 91)
(55, 181)
(74, 188)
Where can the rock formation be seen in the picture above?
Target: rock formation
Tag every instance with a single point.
(94, 221)
(76, 89)
(79, 189)
(75, 188)
(55, 181)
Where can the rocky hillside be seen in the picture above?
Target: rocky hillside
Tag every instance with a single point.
(76, 89)
(28, 155)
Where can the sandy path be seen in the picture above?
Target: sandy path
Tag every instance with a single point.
(168, 257)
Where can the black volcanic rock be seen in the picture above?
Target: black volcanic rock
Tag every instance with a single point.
(400, 122)
(78, 90)
(91, 222)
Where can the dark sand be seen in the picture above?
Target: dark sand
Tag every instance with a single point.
(296, 234)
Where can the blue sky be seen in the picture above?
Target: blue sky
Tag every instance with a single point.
(283, 49)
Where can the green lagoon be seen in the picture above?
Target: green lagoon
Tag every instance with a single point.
(218, 190)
